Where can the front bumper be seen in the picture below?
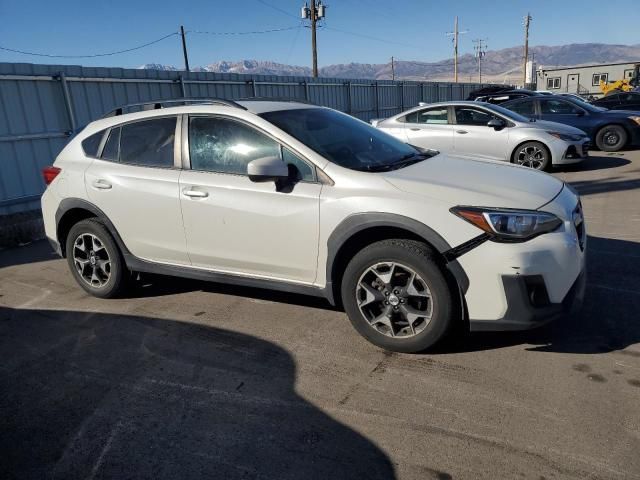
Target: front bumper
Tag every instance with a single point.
(520, 285)
(528, 306)
(568, 152)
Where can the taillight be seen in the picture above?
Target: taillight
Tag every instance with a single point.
(49, 173)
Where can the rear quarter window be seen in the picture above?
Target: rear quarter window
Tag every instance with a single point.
(91, 144)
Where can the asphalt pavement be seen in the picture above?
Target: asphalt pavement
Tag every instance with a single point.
(188, 379)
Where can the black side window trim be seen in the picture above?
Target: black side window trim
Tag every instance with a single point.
(186, 155)
(176, 139)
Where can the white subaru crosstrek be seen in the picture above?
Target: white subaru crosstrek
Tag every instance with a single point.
(306, 199)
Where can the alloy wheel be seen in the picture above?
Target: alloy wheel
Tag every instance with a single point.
(394, 299)
(91, 260)
(531, 156)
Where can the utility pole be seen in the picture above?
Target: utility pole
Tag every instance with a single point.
(393, 70)
(455, 34)
(184, 49)
(527, 21)
(314, 13)
(481, 50)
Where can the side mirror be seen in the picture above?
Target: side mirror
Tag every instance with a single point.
(496, 124)
(267, 169)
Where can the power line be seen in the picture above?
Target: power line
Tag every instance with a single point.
(266, 4)
(34, 54)
(253, 32)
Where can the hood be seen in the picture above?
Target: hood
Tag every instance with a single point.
(622, 113)
(554, 126)
(483, 183)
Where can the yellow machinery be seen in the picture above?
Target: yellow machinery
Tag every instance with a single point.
(624, 85)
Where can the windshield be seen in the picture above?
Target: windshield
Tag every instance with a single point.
(343, 140)
(587, 106)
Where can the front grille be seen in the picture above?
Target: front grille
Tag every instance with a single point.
(578, 222)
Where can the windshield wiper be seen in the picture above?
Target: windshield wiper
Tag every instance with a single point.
(404, 161)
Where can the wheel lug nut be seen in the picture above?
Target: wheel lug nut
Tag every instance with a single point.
(386, 293)
(401, 300)
(395, 308)
(386, 303)
(396, 292)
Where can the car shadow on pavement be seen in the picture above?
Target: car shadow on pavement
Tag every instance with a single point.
(94, 395)
(38, 251)
(608, 320)
(594, 162)
(613, 184)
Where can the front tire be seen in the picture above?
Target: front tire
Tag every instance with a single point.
(95, 260)
(611, 138)
(533, 155)
(397, 297)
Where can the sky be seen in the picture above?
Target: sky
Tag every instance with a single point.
(360, 31)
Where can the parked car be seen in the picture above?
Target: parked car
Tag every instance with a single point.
(619, 101)
(306, 199)
(498, 96)
(488, 131)
(610, 130)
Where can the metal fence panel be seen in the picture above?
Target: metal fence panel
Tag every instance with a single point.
(43, 105)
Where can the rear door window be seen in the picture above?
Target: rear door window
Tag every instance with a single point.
(434, 116)
(148, 143)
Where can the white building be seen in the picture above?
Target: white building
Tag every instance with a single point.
(584, 79)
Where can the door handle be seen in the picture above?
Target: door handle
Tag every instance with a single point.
(101, 184)
(414, 129)
(190, 192)
(461, 131)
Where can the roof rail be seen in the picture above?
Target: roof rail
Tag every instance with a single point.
(158, 104)
(277, 99)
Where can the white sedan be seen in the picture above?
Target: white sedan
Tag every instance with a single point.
(488, 131)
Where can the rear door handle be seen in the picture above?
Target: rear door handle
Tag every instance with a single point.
(190, 192)
(461, 131)
(414, 129)
(101, 184)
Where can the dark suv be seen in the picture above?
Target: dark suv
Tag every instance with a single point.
(610, 130)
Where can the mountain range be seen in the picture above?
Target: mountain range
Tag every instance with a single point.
(503, 65)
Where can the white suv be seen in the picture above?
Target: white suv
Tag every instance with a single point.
(306, 199)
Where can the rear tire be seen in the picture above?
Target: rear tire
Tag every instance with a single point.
(397, 297)
(611, 138)
(95, 260)
(533, 155)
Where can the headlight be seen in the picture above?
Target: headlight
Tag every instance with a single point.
(635, 119)
(508, 225)
(567, 137)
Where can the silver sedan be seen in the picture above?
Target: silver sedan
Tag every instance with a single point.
(488, 131)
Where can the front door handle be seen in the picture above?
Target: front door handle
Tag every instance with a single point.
(414, 129)
(461, 131)
(190, 192)
(101, 184)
